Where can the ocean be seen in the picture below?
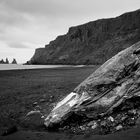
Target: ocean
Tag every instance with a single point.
(20, 66)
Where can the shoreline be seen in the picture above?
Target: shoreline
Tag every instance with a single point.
(23, 67)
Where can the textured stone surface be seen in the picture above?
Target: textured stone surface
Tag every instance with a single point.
(91, 43)
(116, 81)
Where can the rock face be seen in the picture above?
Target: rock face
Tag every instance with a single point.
(91, 43)
(112, 85)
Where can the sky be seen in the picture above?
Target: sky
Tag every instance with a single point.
(29, 24)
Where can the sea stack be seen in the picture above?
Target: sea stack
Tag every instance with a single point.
(7, 61)
(14, 61)
(2, 61)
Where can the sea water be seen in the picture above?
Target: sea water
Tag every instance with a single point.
(20, 66)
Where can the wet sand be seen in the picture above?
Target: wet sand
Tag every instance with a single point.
(21, 89)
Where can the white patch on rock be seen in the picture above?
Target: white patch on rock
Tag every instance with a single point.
(119, 127)
(111, 119)
(68, 100)
(33, 112)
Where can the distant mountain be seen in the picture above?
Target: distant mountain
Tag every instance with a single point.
(91, 43)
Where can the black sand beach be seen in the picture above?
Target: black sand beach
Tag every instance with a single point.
(24, 90)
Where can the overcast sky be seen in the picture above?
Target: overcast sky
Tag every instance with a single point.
(29, 24)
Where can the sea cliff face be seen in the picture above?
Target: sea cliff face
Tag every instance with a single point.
(91, 43)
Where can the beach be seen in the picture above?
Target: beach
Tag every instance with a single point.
(21, 91)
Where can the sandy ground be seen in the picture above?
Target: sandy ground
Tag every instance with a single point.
(132, 134)
(22, 90)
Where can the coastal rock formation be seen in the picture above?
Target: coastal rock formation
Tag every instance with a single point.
(91, 43)
(7, 61)
(4, 62)
(113, 86)
(14, 61)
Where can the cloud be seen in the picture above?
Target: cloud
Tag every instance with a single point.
(29, 24)
(10, 17)
(18, 45)
(68, 8)
(47, 7)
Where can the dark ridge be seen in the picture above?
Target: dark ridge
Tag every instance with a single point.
(91, 43)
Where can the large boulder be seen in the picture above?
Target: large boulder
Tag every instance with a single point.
(116, 81)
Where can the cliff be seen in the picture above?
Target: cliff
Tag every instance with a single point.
(91, 43)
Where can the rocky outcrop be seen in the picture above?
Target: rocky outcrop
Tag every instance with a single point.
(14, 61)
(7, 61)
(4, 62)
(91, 43)
(112, 90)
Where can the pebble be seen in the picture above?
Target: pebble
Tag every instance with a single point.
(42, 117)
(42, 100)
(51, 96)
(124, 118)
(94, 126)
(91, 123)
(132, 118)
(132, 111)
(119, 127)
(37, 107)
(103, 123)
(111, 119)
(35, 103)
(82, 127)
